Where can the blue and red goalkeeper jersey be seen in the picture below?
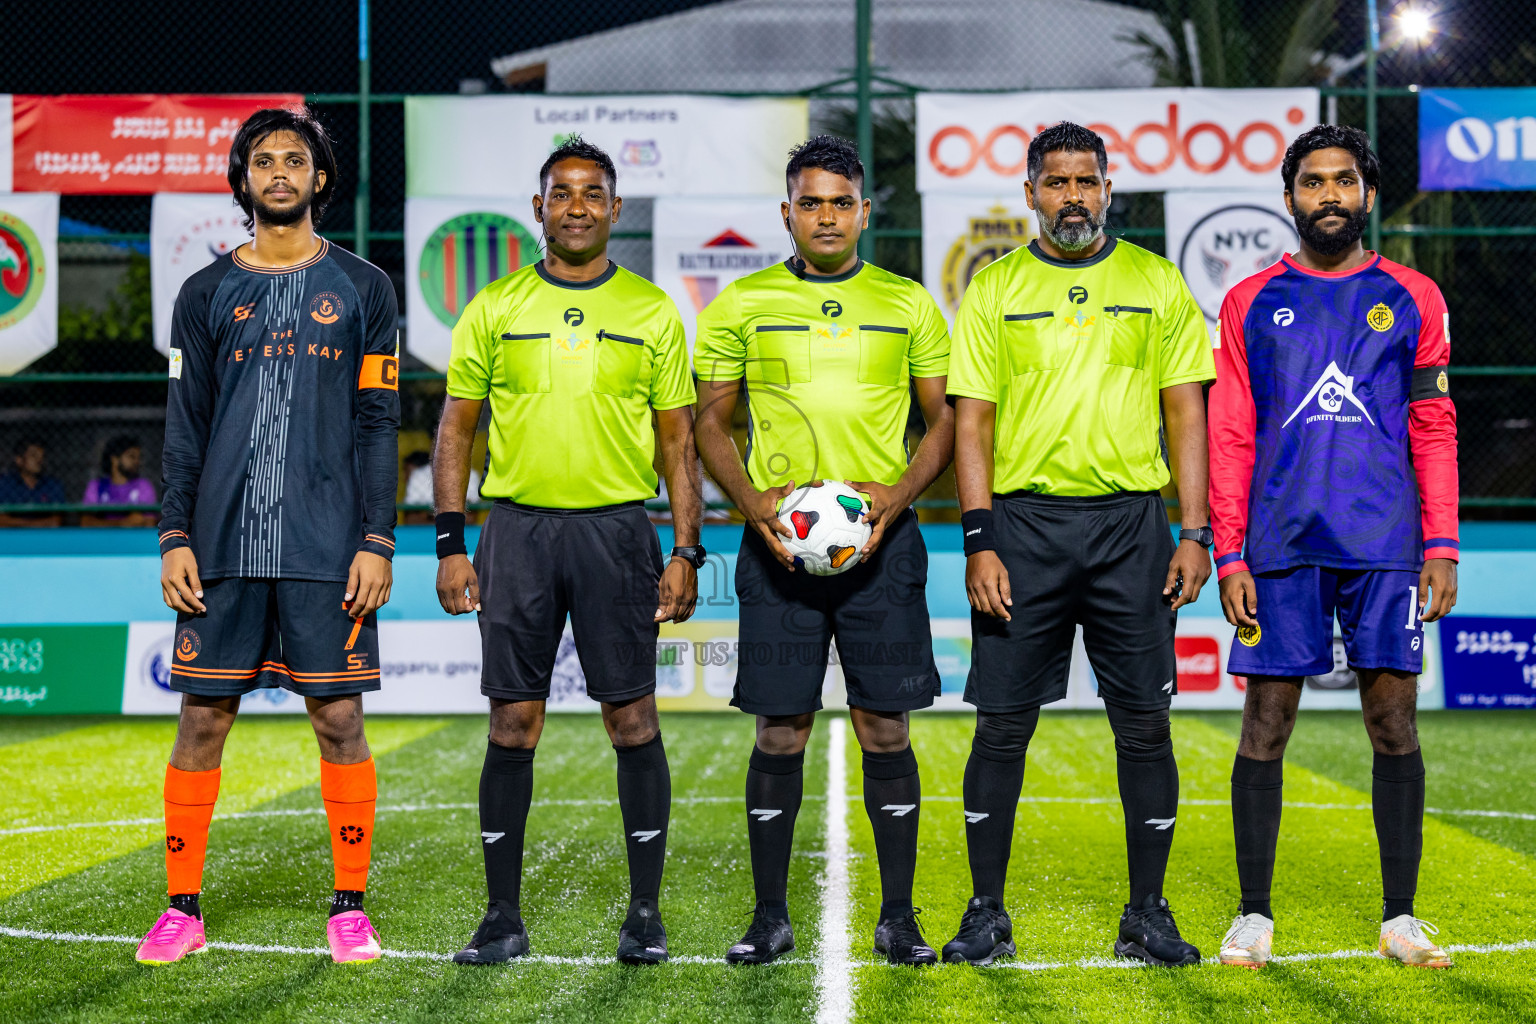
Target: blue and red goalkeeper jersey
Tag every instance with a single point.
(1332, 433)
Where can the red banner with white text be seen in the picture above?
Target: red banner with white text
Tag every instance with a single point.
(128, 144)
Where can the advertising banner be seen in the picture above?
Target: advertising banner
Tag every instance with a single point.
(1157, 139)
(187, 231)
(108, 145)
(1217, 239)
(1478, 139)
(661, 145)
(701, 245)
(1489, 662)
(454, 247)
(47, 670)
(29, 278)
(962, 234)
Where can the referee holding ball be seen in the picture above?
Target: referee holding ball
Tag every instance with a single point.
(575, 355)
(1070, 358)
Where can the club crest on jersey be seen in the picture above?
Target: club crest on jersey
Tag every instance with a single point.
(1380, 317)
(1331, 391)
(1249, 636)
(1443, 383)
(325, 308)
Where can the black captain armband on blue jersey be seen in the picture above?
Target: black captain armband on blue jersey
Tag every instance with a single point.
(450, 535)
(976, 525)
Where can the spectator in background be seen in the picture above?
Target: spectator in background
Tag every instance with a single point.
(418, 487)
(120, 484)
(26, 484)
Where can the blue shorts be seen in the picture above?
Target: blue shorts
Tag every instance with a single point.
(1378, 616)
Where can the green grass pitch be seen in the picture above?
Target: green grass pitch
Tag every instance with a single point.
(73, 899)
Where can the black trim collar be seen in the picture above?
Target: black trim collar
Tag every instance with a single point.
(1103, 254)
(795, 265)
(560, 282)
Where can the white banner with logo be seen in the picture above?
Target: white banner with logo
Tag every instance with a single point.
(187, 231)
(962, 234)
(699, 246)
(1157, 139)
(29, 277)
(454, 247)
(660, 145)
(1217, 239)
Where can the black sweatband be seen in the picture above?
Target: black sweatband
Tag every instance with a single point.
(976, 525)
(450, 534)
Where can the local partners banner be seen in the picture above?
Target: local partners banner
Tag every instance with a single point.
(661, 145)
(29, 278)
(100, 145)
(1157, 139)
(1219, 238)
(962, 234)
(701, 245)
(1477, 139)
(187, 231)
(455, 247)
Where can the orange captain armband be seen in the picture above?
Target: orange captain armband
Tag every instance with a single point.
(379, 372)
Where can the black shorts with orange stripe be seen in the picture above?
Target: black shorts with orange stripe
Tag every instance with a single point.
(273, 632)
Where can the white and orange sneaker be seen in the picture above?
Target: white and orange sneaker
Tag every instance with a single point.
(353, 939)
(1403, 938)
(173, 937)
(1248, 942)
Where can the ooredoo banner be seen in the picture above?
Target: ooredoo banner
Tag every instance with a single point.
(660, 145)
(29, 278)
(962, 234)
(1219, 238)
(1157, 139)
(187, 231)
(127, 144)
(454, 248)
(699, 246)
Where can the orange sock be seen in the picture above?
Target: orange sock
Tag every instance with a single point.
(189, 800)
(350, 792)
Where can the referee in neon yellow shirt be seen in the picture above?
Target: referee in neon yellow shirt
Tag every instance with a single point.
(1071, 359)
(575, 355)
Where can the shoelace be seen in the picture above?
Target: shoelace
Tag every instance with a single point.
(759, 930)
(1245, 932)
(974, 921)
(170, 929)
(1416, 929)
(355, 931)
(1159, 920)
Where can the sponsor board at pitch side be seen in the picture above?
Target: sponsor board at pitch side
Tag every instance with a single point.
(1477, 139)
(1489, 662)
(1156, 139)
(187, 232)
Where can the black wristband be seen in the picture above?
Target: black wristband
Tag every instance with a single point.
(976, 525)
(450, 534)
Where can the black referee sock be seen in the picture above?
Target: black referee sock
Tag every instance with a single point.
(1149, 794)
(893, 794)
(506, 790)
(1397, 804)
(775, 783)
(1256, 802)
(645, 800)
(994, 775)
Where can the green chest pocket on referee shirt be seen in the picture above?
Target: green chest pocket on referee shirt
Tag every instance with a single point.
(883, 355)
(1033, 342)
(620, 359)
(782, 356)
(525, 363)
(1127, 332)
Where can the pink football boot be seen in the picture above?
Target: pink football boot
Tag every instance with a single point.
(352, 938)
(173, 937)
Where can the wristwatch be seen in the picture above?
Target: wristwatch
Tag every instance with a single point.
(693, 554)
(1203, 536)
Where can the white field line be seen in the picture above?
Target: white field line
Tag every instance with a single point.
(834, 974)
(688, 801)
(1089, 963)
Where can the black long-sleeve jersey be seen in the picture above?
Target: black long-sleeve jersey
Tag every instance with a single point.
(281, 450)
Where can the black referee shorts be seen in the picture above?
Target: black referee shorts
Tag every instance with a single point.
(878, 610)
(1097, 562)
(601, 566)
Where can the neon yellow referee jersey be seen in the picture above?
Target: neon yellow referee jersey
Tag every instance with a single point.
(572, 371)
(827, 362)
(1074, 355)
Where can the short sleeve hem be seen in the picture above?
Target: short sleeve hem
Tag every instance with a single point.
(977, 393)
(459, 391)
(666, 406)
(1201, 376)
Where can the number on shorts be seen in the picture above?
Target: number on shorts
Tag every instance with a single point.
(1413, 608)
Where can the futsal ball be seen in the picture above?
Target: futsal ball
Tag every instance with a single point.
(826, 527)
